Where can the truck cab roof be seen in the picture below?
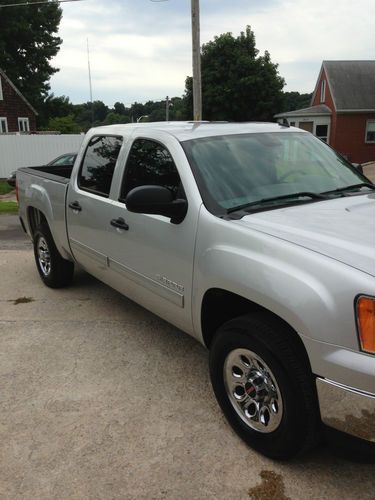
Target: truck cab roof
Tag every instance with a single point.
(184, 131)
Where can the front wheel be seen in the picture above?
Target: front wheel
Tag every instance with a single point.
(263, 385)
(55, 271)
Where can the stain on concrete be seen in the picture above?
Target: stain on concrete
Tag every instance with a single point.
(361, 426)
(271, 488)
(21, 300)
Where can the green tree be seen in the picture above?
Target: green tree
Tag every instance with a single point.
(54, 107)
(90, 114)
(27, 44)
(295, 100)
(238, 84)
(137, 110)
(119, 108)
(113, 118)
(64, 124)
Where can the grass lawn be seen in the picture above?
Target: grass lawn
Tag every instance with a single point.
(8, 207)
(5, 188)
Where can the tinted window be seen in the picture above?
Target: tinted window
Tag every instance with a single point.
(99, 164)
(150, 163)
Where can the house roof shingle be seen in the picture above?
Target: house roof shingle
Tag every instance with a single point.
(319, 110)
(352, 84)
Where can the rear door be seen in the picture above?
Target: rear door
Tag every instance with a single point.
(89, 207)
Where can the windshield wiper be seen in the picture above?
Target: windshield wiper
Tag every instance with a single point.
(264, 201)
(350, 188)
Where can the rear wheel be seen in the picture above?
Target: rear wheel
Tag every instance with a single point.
(263, 386)
(55, 271)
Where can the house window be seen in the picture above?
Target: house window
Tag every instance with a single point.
(322, 132)
(323, 91)
(292, 124)
(3, 125)
(23, 125)
(370, 131)
(1, 91)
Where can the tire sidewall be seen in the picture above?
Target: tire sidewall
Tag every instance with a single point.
(42, 233)
(284, 441)
(61, 273)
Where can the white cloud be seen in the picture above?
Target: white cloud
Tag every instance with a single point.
(142, 50)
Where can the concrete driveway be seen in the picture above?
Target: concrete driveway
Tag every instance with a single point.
(101, 399)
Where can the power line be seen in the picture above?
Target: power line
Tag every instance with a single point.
(37, 3)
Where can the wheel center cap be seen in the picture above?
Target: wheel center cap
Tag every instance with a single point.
(250, 389)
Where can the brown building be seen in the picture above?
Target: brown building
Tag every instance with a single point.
(342, 110)
(16, 113)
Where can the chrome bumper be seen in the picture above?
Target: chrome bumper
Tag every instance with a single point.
(347, 409)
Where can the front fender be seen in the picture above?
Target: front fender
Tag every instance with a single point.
(313, 293)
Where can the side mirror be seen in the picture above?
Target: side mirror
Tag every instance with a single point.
(358, 167)
(156, 200)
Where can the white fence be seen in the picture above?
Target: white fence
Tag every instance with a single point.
(26, 150)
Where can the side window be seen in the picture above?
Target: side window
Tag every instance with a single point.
(99, 164)
(150, 163)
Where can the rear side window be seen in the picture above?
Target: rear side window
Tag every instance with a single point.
(99, 164)
(150, 163)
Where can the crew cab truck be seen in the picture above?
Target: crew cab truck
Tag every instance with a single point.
(256, 239)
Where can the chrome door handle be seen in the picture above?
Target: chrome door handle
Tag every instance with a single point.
(75, 206)
(120, 224)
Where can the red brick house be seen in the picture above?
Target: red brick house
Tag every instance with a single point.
(16, 113)
(342, 110)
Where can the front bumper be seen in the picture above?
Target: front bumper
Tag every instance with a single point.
(347, 409)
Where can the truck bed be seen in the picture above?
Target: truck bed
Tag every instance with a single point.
(59, 174)
(45, 188)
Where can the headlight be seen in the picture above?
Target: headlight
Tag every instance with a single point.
(366, 323)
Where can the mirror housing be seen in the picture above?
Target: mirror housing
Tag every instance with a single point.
(358, 166)
(156, 200)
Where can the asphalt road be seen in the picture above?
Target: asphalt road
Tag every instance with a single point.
(100, 399)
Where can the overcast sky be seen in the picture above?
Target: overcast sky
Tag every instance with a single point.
(141, 49)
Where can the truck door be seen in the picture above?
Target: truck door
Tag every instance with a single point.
(88, 204)
(151, 259)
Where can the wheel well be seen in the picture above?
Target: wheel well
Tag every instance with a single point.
(35, 218)
(220, 306)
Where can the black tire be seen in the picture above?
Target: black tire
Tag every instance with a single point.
(54, 271)
(293, 419)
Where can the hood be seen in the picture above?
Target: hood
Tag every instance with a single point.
(340, 228)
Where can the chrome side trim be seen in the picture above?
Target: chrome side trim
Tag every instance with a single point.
(88, 252)
(148, 283)
(347, 409)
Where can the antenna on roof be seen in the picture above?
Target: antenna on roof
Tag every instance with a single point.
(284, 123)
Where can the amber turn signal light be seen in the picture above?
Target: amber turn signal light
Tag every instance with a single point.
(366, 323)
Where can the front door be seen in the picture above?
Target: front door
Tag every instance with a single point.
(151, 260)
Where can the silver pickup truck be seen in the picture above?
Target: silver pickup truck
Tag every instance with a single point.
(256, 239)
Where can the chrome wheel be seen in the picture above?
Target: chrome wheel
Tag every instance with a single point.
(44, 256)
(252, 390)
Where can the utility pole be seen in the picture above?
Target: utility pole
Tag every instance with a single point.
(88, 63)
(167, 109)
(197, 80)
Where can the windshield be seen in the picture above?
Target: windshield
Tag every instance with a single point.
(238, 170)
